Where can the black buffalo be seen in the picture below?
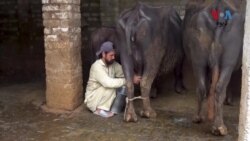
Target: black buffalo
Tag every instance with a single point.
(149, 40)
(100, 36)
(212, 38)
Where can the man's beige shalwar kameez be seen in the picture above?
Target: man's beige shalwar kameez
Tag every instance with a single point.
(102, 84)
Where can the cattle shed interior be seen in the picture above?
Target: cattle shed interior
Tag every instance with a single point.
(34, 105)
(22, 33)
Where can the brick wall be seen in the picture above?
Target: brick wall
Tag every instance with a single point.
(110, 9)
(124, 4)
(90, 17)
(21, 40)
(91, 20)
(109, 12)
(9, 21)
(98, 13)
(13, 13)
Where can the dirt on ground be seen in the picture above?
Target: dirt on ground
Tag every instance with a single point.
(22, 119)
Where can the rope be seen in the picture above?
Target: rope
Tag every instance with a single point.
(132, 99)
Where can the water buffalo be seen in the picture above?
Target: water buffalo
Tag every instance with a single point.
(149, 40)
(100, 36)
(212, 39)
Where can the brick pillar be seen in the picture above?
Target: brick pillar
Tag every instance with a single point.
(62, 36)
(244, 125)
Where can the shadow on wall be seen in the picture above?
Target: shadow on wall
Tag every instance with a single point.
(190, 81)
(21, 41)
(91, 20)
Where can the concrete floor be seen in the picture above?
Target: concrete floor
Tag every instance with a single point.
(21, 119)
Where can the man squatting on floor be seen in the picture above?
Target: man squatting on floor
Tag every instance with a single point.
(105, 77)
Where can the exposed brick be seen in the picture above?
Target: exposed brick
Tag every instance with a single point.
(51, 38)
(46, 15)
(54, 45)
(45, 1)
(59, 30)
(74, 8)
(51, 23)
(65, 1)
(62, 15)
(49, 7)
(47, 31)
(67, 23)
(61, 1)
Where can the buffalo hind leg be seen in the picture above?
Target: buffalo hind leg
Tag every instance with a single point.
(154, 89)
(147, 111)
(130, 115)
(218, 126)
(201, 92)
(146, 84)
(229, 96)
(212, 89)
(179, 86)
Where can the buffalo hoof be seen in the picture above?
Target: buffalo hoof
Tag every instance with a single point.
(150, 113)
(180, 89)
(153, 93)
(219, 131)
(228, 102)
(130, 116)
(198, 119)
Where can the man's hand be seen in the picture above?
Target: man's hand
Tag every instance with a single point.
(137, 79)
